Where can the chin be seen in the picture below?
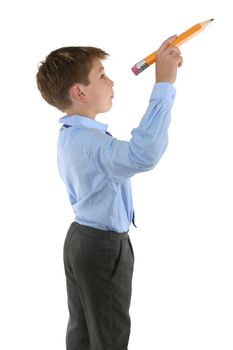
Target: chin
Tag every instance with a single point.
(106, 109)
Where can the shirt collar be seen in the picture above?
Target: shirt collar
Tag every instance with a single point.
(83, 122)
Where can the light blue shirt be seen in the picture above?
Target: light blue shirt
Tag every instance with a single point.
(97, 168)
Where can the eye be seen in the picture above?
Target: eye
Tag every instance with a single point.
(103, 75)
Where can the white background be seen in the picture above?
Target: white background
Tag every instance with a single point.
(182, 284)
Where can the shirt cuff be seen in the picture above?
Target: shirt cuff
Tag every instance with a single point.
(163, 90)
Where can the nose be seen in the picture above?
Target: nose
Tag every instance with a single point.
(111, 82)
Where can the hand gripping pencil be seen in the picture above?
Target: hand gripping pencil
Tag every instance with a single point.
(180, 39)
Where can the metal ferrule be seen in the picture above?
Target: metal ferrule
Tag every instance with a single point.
(141, 65)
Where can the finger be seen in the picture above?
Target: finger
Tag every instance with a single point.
(173, 48)
(181, 62)
(178, 58)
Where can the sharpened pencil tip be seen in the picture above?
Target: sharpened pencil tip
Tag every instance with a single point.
(211, 19)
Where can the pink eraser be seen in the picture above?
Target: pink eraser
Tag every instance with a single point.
(135, 70)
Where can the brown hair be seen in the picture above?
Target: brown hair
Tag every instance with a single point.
(62, 68)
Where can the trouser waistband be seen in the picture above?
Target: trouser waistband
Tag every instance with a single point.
(99, 234)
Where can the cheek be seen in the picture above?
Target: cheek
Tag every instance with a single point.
(99, 94)
(95, 96)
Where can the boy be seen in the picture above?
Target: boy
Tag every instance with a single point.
(96, 169)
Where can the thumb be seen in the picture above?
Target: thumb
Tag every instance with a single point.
(171, 38)
(167, 42)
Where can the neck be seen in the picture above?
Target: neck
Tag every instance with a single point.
(84, 112)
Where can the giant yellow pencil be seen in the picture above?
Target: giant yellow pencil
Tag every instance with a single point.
(180, 39)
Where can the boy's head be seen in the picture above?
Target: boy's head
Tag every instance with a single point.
(73, 80)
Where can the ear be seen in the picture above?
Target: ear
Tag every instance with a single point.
(76, 93)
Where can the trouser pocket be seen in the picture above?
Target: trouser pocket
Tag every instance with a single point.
(131, 247)
(117, 258)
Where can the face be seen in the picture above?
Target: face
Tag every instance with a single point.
(99, 92)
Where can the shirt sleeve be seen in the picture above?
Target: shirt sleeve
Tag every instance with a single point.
(122, 159)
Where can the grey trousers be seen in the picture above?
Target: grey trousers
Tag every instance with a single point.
(99, 269)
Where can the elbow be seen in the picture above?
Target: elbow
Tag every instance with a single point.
(159, 153)
(147, 159)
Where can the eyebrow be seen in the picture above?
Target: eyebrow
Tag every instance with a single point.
(102, 68)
